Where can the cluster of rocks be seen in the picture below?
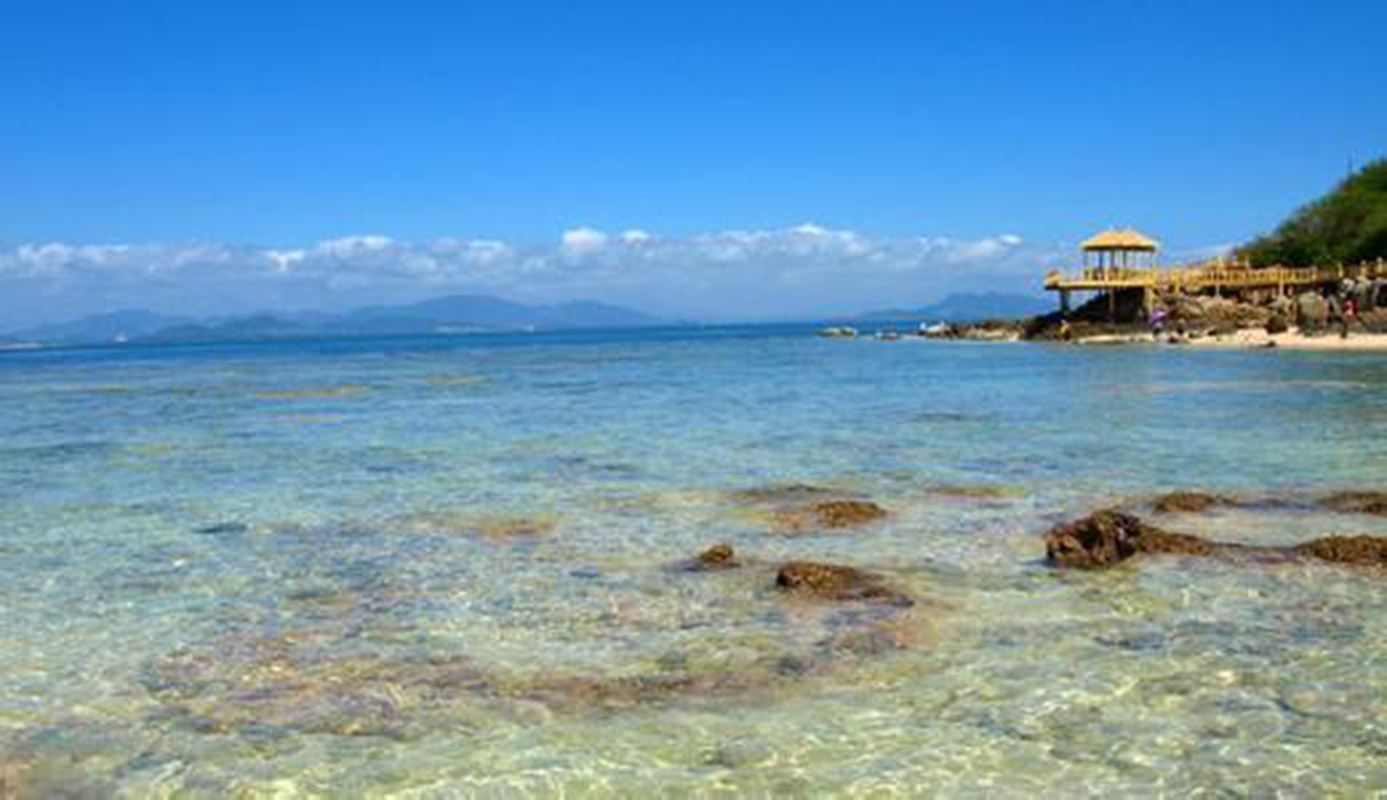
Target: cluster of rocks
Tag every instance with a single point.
(1195, 316)
(992, 330)
(989, 330)
(1111, 536)
(1327, 313)
(809, 579)
(1373, 503)
(264, 683)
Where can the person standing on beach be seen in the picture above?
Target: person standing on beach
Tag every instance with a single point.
(1158, 315)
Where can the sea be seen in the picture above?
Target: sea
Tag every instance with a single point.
(459, 566)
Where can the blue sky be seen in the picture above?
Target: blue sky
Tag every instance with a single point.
(206, 134)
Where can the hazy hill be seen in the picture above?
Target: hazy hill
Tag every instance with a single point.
(1347, 225)
(112, 326)
(494, 312)
(967, 308)
(444, 314)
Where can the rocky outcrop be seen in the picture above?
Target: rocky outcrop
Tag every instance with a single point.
(1357, 502)
(991, 330)
(718, 557)
(1201, 312)
(1091, 319)
(1188, 502)
(1110, 537)
(819, 581)
(1366, 550)
(1312, 311)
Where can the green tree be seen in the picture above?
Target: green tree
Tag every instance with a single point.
(1347, 225)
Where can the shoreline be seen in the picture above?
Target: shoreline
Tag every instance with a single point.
(1245, 338)
(1253, 338)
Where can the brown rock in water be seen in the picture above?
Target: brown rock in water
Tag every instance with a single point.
(1109, 537)
(1188, 502)
(836, 582)
(1362, 502)
(831, 514)
(845, 513)
(719, 556)
(1370, 550)
(786, 493)
(518, 527)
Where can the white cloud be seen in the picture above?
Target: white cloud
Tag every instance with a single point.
(348, 246)
(737, 274)
(284, 259)
(583, 240)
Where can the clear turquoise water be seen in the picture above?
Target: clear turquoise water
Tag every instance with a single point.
(295, 569)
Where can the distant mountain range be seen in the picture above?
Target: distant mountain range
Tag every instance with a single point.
(453, 314)
(966, 308)
(130, 324)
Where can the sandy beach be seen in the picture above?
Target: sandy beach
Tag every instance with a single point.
(1296, 340)
(1252, 338)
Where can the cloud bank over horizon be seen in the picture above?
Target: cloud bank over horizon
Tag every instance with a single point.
(799, 271)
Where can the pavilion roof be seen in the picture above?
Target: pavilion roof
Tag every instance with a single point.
(1120, 239)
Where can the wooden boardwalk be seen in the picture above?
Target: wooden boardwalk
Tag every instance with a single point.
(1215, 275)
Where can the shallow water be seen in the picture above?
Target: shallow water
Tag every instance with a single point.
(444, 566)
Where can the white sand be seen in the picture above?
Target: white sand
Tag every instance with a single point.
(1256, 337)
(1294, 339)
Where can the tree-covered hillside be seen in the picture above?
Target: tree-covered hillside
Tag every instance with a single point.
(1346, 226)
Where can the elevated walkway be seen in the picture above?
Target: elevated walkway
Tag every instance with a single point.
(1215, 275)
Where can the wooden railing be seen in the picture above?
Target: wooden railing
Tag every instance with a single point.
(1213, 274)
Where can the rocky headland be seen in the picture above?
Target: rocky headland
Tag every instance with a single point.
(1354, 310)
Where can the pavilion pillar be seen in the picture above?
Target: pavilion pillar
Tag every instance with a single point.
(1064, 302)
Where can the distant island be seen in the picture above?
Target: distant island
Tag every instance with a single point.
(451, 314)
(454, 314)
